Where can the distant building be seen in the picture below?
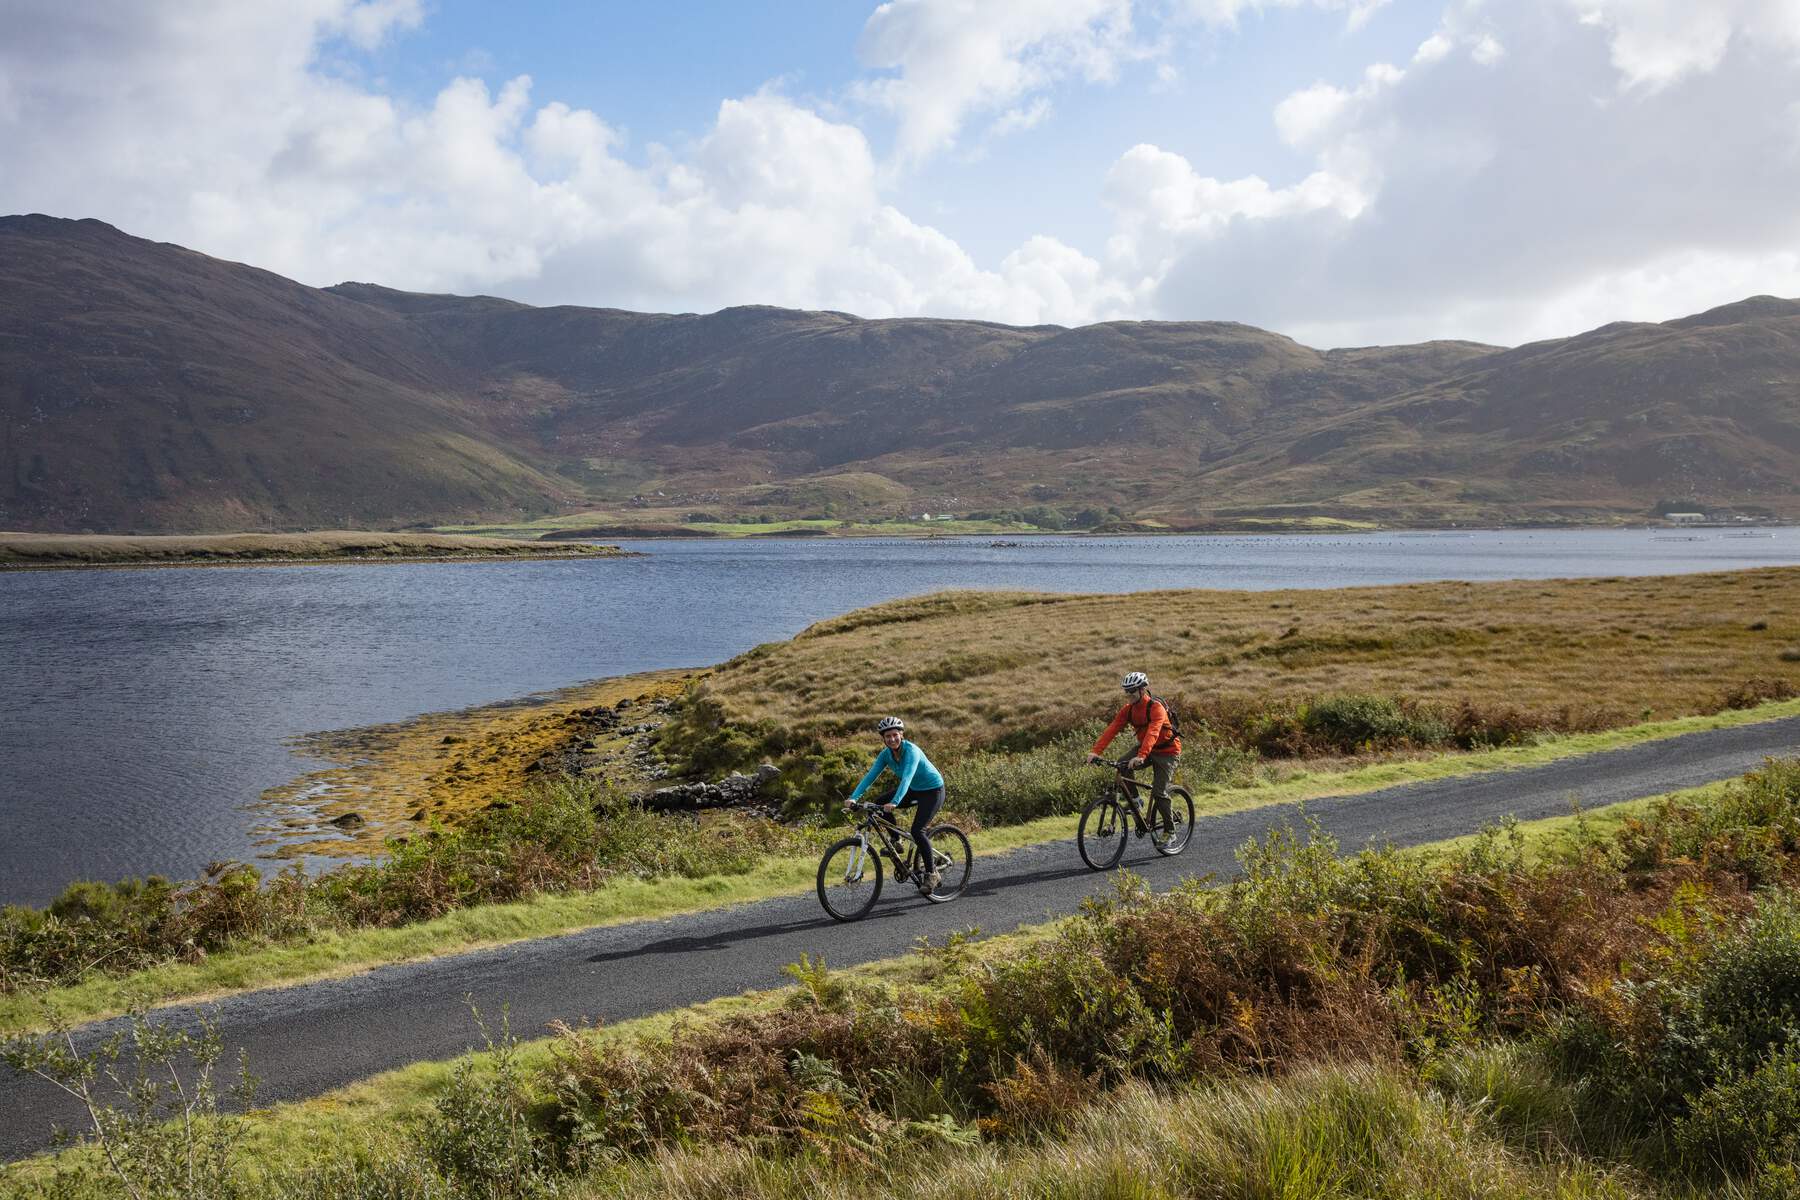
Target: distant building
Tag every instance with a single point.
(1684, 518)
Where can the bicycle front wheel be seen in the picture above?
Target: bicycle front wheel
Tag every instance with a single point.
(1101, 835)
(849, 879)
(1173, 840)
(955, 863)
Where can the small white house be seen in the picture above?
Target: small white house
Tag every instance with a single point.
(1684, 518)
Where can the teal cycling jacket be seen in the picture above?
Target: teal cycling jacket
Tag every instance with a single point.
(913, 770)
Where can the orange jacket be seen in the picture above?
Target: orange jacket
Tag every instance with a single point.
(1151, 721)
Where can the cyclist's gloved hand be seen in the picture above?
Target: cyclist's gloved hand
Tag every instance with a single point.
(1095, 760)
(1136, 762)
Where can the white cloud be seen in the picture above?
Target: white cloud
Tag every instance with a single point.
(1013, 120)
(1433, 48)
(1227, 12)
(368, 24)
(1655, 43)
(1164, 208)
(951, 58)
(1307, 116)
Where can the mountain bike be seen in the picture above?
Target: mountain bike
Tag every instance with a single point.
(850, 874)
(1111, 817)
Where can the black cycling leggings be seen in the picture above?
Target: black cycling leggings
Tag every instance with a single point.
(930, 801)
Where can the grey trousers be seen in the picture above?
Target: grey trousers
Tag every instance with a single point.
(1162, 770)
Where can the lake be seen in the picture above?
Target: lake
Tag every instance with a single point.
(141, 711)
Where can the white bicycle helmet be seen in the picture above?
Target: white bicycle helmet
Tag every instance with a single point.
(887, 723)
(1135, 680)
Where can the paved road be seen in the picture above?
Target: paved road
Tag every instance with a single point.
(309, 1039)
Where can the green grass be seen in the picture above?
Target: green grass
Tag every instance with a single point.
(339, 954)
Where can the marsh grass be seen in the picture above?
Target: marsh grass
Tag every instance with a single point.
(968, 669)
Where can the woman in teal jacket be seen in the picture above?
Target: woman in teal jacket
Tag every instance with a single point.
(917, 782)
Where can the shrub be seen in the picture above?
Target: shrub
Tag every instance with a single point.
(1752, 692)
(478, 1137)
(1748, 1121)
(1358, 723)
(149, 1093)
(1007, 789)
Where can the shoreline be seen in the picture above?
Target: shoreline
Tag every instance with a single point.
(21, 551)
(1769, 528)
(452, 763)
(342, 561)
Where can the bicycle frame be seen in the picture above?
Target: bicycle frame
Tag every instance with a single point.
(1132, 787)
(891, 839)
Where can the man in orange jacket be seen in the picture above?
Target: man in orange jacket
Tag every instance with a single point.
(1157, 743)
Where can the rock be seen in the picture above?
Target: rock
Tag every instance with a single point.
(734, 791)
(450, 739)
(418, 814)
(349, 820)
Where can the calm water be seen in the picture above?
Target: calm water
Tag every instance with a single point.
(140, 711)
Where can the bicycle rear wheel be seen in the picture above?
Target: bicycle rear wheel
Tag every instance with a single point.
(849, 879)
(1181, 824)
(1101, 834)
(955, 863)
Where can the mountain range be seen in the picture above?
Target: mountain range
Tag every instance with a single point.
(145, 387)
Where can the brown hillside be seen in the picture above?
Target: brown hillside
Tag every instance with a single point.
(145, 387)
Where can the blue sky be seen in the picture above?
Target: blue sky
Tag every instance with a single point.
(1344, 171)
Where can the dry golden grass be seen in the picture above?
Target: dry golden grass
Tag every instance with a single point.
(967, 668)
(333, 545)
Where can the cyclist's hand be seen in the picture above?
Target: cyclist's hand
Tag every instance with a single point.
(1095, 760)
(1135, 762)
(891, 807)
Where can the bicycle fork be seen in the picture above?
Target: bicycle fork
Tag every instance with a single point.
(854, 873)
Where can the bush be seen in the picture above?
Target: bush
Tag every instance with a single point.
(1008, 789)
(1361, 723)
(149, 1093)
(478, 1137)
(1753, 692)
(1746, 1122)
